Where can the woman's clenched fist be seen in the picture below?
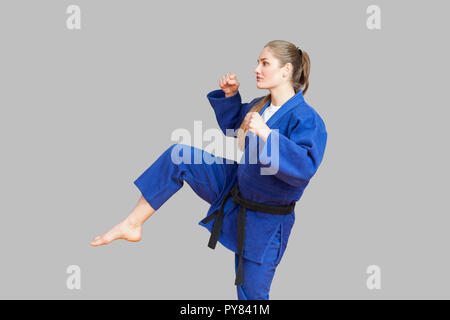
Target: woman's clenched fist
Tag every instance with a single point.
(255, 123)
(229, 84)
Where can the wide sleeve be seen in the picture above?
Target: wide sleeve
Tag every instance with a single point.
(230, 111)
(295, 159)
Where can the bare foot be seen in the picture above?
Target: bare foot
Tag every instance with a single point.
(124, 230)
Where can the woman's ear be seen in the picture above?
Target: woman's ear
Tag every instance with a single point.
(287, 69)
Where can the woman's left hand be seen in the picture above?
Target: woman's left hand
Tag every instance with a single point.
(255, 123)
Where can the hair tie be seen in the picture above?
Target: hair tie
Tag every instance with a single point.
(301, 53)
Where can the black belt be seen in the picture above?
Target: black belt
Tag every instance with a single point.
(243, 205)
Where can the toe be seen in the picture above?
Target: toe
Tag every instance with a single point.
(97, 241)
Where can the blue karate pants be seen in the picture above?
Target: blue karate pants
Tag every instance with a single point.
(166, 176)
(258, 277)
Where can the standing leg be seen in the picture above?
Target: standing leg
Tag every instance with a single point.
(258, 277)
(164, 178)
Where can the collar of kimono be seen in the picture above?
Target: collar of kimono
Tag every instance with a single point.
(293, 102)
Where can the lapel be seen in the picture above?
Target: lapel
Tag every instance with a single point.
(287, 106)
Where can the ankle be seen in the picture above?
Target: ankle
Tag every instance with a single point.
(133, 222)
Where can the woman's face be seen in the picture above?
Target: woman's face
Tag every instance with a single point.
(268, 72)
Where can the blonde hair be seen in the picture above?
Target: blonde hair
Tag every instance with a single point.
(284, 52)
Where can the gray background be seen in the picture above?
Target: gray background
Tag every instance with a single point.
(85, 112)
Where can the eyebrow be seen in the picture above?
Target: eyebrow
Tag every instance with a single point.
(261, 59)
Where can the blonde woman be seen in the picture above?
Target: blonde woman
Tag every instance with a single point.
(252, 202)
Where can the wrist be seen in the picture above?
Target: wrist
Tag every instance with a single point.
(227, 95)
(265, 134)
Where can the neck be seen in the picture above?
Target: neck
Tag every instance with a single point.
(279, 95)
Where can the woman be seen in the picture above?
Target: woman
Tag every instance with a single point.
(252, 204)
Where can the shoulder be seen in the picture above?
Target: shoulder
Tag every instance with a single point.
(305, 115)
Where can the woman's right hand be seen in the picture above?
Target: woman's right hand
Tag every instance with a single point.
(229, 84)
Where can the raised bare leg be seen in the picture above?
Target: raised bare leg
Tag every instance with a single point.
(165, 177)
(130, 228)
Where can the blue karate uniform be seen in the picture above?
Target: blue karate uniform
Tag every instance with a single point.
(295, 147)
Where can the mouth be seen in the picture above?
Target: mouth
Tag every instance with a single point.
(258, 79)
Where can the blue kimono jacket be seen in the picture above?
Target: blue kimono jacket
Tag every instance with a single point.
(298, 139)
